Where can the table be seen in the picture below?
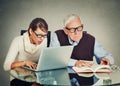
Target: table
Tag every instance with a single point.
(66, 77)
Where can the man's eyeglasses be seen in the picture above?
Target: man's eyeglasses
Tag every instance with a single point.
(72, 30)
(40, 35)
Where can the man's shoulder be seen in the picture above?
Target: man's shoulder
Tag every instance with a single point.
(60, 30)
(88, 34)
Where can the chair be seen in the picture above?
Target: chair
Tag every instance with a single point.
(22, 32)
(48, 36)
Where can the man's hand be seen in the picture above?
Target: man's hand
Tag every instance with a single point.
(83, 63)
(105, 61)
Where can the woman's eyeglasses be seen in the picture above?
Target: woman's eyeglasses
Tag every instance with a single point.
(41, 35)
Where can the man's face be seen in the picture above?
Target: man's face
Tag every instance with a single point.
(37, 36)
(74, 29)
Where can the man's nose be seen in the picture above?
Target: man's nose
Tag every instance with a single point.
(75, 30)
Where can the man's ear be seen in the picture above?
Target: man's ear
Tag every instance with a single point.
(82, 25)
(65, 30)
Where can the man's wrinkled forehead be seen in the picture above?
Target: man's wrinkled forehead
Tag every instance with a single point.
(69, 18)
(74, 23)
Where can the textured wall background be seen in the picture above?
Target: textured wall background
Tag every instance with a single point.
(100, 18)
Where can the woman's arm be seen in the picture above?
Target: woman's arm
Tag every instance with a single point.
(23, 63)
(11, 55)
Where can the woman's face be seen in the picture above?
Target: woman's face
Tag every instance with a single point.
(37, 36)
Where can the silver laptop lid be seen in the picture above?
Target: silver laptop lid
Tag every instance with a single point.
(54, 58)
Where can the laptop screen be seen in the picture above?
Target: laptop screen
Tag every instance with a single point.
(54, 58)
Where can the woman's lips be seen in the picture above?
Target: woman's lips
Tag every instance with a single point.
(39, 42)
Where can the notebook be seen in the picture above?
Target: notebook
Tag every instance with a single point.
(53, 58)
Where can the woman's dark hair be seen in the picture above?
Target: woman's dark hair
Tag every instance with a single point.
(38, 22)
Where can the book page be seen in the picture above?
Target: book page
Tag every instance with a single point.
(102, 68)
(86, 74)
(94, 68)
(102, 75)
(82, 69)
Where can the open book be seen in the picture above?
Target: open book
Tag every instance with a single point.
(99, 71)
(93, 69)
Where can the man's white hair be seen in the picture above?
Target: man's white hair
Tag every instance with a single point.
(69, 18)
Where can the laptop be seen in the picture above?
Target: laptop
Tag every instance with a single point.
(53, 58)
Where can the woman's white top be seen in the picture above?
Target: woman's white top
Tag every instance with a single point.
(21, 49)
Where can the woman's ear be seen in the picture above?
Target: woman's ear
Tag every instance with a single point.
(65, 30)
(30, 31)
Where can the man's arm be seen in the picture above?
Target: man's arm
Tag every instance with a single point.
(54, 40)
(101, 54)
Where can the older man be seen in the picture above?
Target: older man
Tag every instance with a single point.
(85, 45)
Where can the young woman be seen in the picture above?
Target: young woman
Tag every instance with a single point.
(25, 49)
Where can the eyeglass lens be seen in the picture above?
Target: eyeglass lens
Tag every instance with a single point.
(79, 28)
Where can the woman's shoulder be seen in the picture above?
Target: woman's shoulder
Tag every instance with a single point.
(17, 41)
(18, 38)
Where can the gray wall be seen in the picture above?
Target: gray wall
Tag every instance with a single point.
(100, 18)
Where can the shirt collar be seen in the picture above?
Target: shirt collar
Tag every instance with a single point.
(72, 42)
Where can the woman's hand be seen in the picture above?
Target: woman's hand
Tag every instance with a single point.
(30, 64)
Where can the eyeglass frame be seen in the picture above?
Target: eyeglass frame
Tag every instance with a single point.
(71, 29)
(40, 35)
